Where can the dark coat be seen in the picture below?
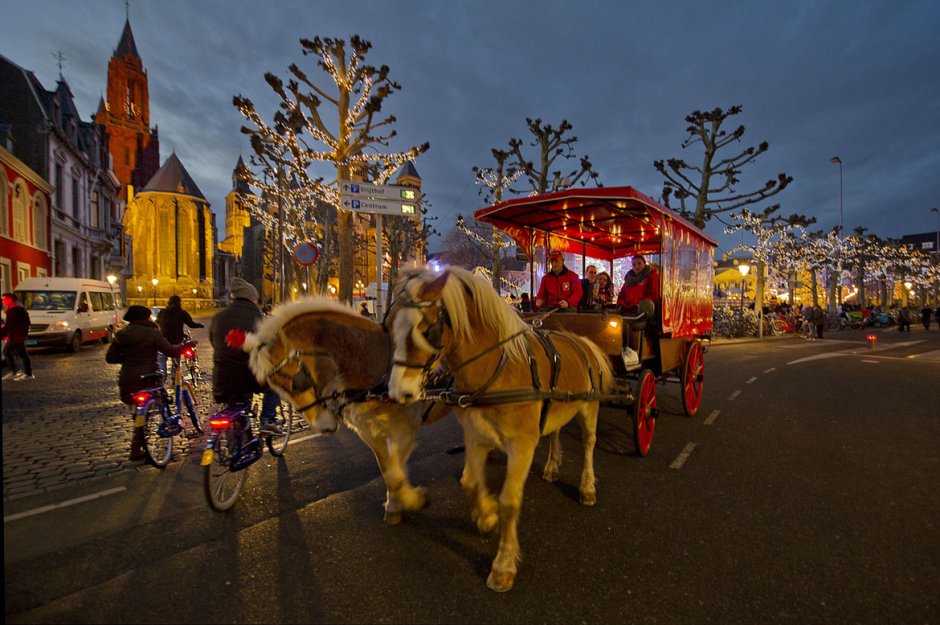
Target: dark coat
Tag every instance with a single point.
(232, 380)
(171, 320)
(17, 324)
(135, 348)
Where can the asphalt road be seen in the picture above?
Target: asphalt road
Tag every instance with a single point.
(804, 491)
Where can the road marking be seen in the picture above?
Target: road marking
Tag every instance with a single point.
(63, 504)
(682, 457)
(934, 355)
(304, 438)
(754, 379)
(871, 361)
(711, 418)
(818, 357)
(769, 370)
(733, 395)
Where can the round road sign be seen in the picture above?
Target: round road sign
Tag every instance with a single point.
(306, 253)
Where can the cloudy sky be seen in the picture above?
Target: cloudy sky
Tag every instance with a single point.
(816, 78)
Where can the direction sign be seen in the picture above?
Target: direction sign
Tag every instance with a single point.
(306, 253)
(385, 207)
(348, 188)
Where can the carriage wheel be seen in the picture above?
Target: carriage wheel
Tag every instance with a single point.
(644, 412)
(693, 377)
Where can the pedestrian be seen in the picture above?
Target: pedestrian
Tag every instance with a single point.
(819, 320)
(587, 288)
(232, 380)
(171, 320)
(925, 313)
(135, 348)
(904, 319)
(560, 287)
(364, 310)
(14, 331)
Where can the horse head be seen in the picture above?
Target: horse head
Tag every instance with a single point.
(415, 322)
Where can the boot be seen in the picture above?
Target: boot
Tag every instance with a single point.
(137, 444)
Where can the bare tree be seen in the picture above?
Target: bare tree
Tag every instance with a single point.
(550, 145)
(493, 182)
(300, 137)
(712, 185)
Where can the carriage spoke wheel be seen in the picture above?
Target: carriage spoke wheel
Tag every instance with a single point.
(693, 378)
(644, 412)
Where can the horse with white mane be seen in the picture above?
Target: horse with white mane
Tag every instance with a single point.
(331, 364)
(512, 385)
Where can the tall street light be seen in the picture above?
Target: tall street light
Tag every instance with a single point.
(838, 161)
(937, 210)
(154, 282)
(744, 268)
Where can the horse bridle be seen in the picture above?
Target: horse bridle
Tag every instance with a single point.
(433, 335)
(302, 380)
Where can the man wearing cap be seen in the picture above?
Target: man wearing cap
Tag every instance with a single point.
(560, 287)
(135, 348)
(232, 379)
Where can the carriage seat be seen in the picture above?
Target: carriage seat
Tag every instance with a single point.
(644, 314)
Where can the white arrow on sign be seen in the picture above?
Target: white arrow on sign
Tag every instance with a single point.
(379, 191)
(385, 207)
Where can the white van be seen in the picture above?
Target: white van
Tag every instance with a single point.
(69, 311)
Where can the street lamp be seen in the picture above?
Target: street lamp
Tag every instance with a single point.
(838, 161)
(937, 210)
(744, 268)
(155, 282)
(140, 292)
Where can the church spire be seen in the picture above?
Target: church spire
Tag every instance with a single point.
(126, 45)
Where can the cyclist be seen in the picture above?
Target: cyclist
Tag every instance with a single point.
(171, 321)
(232, 380)
(135, 348)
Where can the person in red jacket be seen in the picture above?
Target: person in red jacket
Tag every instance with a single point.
(15, 330)
(640, 283)
(560, 287)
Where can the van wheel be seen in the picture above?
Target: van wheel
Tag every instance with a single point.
(75, 344)
(108, 335)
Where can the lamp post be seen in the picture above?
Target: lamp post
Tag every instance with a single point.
(140, 292)
(111, 280)
(838, 161)
(154, 282)
(744, 268)
(937, 210)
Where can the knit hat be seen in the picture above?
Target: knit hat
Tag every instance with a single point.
(241, 288)
(137, 313)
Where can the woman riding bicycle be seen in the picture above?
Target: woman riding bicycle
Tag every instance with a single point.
(171, 320)
(135, 348)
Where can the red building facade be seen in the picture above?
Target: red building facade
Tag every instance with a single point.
(24, 222)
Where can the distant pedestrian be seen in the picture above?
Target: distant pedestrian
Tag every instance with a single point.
(904, 319)
(364, 310)
(925, 313)
(14, 331)
(819, 320)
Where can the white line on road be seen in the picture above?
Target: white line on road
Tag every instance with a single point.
(733, 395)
(682, 457)
(754, 379)
(769, 370)
(711, 418)
(63, 504)
(304, 438)
(871, 361)
(934, 355)
(818, 357)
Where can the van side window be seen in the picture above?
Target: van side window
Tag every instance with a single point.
(97, 300)
(83, 303)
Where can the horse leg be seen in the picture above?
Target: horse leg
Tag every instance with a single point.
(519, 462)
(588, 421)
(386, 455)
(484, 508)
(550, 473)
(400, 447)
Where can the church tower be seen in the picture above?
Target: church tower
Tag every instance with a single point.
(237, 216)
(135, 147)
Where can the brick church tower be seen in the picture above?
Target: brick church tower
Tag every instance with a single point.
(135, 147)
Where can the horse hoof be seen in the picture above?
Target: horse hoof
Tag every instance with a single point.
(588, 499)
(550, 476)
(392, 518)
(500, 582)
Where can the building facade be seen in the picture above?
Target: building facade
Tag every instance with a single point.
(24, 220)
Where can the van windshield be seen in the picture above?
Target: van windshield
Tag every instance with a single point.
(47, 300)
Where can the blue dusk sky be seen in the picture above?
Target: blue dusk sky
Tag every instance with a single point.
(816, 79)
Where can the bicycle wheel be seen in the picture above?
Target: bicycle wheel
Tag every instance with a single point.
(222, 485)
(159, 449)
(192, 407)
(285, 418)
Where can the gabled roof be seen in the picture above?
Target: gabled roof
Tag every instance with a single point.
(173, 178)
(126, 45)
(408, 169)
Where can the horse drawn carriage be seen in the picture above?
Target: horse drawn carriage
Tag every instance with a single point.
(617, 222)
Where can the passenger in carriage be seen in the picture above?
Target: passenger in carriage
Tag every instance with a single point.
(641, 284)
(603, 290)
(587, 288)
(560, 287)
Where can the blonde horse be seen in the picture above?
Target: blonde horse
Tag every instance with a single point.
(331, 363)
(512, 386)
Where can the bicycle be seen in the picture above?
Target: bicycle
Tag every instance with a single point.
(193, 373)
(233, 446)
(159, 420)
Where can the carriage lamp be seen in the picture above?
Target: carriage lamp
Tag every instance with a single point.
(614, 323)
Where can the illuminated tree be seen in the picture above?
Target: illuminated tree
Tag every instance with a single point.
(493, 181)
(299, 137)
(712, 186)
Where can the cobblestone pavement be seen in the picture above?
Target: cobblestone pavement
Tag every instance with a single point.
(68, 425)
